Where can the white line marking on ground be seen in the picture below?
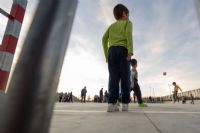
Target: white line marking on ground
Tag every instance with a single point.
(170, 112)
(80, 111)
(147, 112)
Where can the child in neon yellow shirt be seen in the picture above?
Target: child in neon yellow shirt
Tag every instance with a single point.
(118, 49)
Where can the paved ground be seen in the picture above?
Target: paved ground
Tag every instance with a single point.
(157, 118)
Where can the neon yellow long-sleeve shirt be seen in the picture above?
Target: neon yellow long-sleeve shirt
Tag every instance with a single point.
(118, 34)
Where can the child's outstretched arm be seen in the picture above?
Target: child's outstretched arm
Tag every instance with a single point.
(105, 43)
(129, 30)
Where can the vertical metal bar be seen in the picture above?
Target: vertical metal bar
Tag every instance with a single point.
(197, 3)
(10, 39)
(33, 86)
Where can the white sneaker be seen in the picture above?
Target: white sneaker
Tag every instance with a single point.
(124, 107)
(112, 108)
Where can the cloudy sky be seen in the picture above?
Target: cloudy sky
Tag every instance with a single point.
(166, 38)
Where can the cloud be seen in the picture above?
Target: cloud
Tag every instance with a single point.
(6, 5)
(167, 42)
(166, 38)
(83, 67)
(81, 70)
(105, 13)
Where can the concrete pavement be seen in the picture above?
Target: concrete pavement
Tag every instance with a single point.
(157, 118)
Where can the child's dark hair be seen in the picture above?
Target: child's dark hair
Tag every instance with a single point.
(133, 62)
(174, 83)
(118, 11)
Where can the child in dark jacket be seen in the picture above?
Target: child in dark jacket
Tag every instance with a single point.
(134, 83)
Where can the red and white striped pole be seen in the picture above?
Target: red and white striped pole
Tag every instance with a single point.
(10, 39)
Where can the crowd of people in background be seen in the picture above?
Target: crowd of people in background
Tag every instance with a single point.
(66, 97)
(104, 95)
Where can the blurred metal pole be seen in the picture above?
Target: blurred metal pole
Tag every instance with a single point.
(32, 90)
(197, 3)
(10, 39)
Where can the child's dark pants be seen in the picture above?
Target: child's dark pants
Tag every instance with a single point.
(137, 92)
(119, 68)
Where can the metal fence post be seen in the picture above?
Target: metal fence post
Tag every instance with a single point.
(10, 39)
(197, 4)
(32, 90)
